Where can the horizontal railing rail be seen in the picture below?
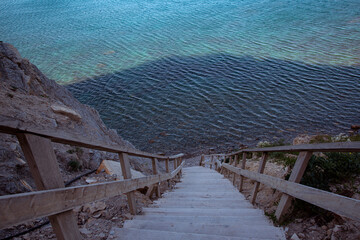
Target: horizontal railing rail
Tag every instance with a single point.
(320, 147)
(290, 188)
(52, 198)
(330, 201)
(19, 208)
(74, 140)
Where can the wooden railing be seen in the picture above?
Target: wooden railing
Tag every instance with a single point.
(338, 204)
(56, 201)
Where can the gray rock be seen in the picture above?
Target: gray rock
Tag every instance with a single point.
(294, 237)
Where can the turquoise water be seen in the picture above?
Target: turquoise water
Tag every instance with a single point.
(195, 73)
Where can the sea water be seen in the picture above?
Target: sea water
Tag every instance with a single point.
(181, 75)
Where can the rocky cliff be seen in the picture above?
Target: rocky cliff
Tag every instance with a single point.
(28, 99)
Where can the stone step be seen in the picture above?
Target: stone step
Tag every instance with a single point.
(231, 230)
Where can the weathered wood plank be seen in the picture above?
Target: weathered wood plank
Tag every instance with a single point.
(243, 163)
(202, 158)
(321, 147)
(260, 170)
(296, 175)
(333, 202)
(19, 208)
(125, 168)
(13, 127)
(154, 162)
(40, 155)
(167, 165)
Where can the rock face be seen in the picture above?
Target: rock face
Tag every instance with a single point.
(28, 99)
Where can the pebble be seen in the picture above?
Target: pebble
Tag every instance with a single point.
(301, 235)
(298, 220)
(294, 237)
(85, 231)
(337, 228)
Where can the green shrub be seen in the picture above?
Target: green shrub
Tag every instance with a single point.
(76, 150)
(74, 165)
(332, 169)
(321, 139)
(321, 173)
(355, 138)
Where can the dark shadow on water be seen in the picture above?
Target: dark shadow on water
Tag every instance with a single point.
(190, 103)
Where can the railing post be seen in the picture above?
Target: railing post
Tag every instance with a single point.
(260, 170)
(39, 154)
(296, 175)
(222, 168)
(167, 165)
(243, 162)
(234, 174)
(201, 160)
(175, 163)
(125, 168)
(181, 161)
(155, 172)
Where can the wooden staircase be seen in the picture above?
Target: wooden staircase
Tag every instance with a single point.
(204, 205)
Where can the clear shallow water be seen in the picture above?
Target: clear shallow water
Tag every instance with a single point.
(188, 74)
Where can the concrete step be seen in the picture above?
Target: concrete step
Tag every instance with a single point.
(141, 234)
(231, 230)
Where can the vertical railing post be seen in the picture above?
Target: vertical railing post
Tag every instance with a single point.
(243, 162)
(260, 170)
(125, 169)
(167, 165)
(234, 174)
(40, 155)
(175, 163)
(180, 162)
(222, 170)
(201, 160)
(155, 172)
(296, 175)
(167, 169)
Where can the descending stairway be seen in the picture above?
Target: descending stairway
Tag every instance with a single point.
(204, 205)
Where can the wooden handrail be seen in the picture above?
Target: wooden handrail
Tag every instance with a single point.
(330, 201)
(291, 188)
(321, 147)
(75, 140)
(19, 208)
(54, 200)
